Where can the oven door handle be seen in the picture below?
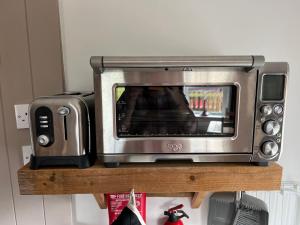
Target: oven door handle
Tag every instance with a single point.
(99, 62)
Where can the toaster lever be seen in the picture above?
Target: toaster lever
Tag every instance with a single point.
(64, 111)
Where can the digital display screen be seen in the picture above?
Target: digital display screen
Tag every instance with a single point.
(273, 87)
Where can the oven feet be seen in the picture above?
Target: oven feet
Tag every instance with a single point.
(111, 164)
(260, 163)
(117, 164)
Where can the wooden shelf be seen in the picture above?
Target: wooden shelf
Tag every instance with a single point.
(157, 179)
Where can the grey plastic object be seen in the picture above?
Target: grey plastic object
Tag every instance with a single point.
(222, 208)
(283, 205)
(251, 211)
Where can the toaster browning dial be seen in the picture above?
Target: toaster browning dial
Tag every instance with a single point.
(43, 140)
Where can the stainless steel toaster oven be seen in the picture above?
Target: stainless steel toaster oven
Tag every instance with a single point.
(202, 109)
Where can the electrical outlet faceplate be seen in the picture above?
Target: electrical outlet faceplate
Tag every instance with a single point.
(21, 112)
(27, 152)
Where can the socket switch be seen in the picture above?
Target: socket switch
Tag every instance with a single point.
(21, 112)
(27, 152)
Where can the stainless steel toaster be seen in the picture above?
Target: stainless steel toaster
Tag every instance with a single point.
(62, 130)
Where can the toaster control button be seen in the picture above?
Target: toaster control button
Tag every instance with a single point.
(63, 111)
(271, 127)
(270, 148)
(43, 140)
(266, 110)
(43, 117)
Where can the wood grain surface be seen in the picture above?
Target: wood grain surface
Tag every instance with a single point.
(101, 200)
(198, 199)
(150, 178)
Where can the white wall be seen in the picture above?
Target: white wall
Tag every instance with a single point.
(190, 27)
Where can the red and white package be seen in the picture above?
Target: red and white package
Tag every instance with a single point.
(116, 202)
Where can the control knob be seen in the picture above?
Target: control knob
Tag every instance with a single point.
(271, 127)
(270, 148)
(278, 109)
(266, 110)
(43, 140)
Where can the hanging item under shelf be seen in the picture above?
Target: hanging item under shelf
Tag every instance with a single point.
(251, 211)
(175, 214)
(228, 208)
(127, 208)
(283, 205)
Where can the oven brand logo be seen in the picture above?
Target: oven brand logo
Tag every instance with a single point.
(175, 147)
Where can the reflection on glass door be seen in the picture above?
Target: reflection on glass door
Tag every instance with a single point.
(175, 111)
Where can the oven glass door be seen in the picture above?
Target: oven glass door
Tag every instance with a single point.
(207, 110)
(175, 111)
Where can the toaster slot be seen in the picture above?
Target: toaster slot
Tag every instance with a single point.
(63, 111)
(65, 128)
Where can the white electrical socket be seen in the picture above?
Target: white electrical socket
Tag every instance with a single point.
(21, 112)
(27, 152)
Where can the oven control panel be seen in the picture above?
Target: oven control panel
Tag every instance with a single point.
(270, 110)
(271, 118)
